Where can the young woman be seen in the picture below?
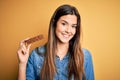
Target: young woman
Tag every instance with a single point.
(62, 57)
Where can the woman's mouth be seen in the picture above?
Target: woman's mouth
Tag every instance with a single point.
(66, 35)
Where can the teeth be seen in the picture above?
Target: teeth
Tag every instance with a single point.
(66, 35)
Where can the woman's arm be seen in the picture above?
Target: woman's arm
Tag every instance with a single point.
(88, 65)
(23, 54)
(22, 72)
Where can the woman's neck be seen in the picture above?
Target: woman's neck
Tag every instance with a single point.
(62, 50)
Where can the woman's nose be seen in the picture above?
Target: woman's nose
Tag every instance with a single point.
(68, 29)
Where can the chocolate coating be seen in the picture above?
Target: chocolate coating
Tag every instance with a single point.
(34, 39)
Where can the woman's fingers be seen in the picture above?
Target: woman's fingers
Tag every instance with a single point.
(28, 48)
(24, 48)
(23, 52)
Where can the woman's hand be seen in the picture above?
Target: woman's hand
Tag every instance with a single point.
(23, 52)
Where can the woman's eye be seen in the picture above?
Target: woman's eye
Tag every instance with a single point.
(74, 26)
(63, 24)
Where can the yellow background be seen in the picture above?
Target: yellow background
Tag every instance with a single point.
(27, 18)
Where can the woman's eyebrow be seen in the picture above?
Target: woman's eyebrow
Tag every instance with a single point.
(67, 22)
(64, 21)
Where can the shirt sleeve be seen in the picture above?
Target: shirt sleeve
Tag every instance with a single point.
(30, 72)
(88, 65)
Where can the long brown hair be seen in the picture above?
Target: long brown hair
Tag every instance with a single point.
(76, 60)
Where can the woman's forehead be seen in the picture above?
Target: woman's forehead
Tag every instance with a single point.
(69, 18)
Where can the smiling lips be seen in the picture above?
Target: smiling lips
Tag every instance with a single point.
(65, 35)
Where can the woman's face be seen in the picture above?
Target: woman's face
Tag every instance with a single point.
(66, 28)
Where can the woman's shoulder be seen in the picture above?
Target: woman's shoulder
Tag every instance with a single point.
(88, 64)
(39, 51)
(87, 54)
